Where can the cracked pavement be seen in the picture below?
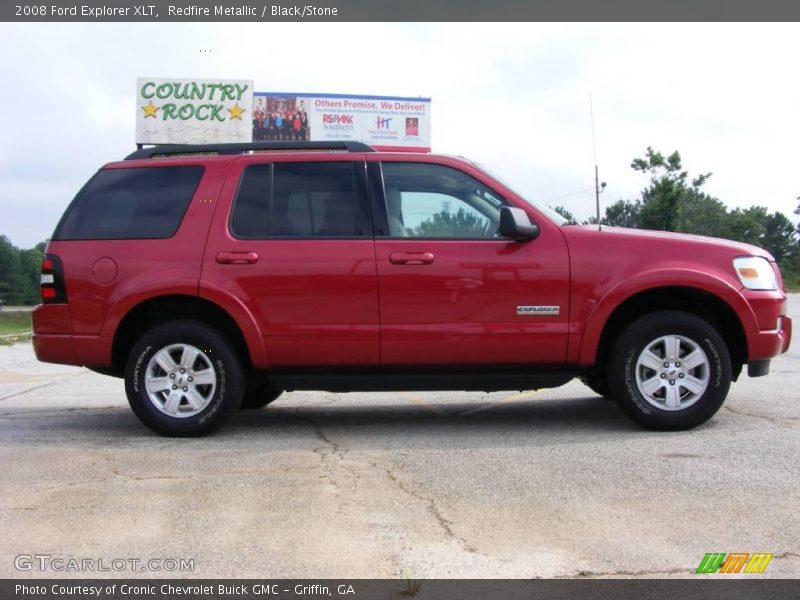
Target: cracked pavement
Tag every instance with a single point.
(554, 483)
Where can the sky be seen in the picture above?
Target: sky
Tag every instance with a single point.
(512, 96)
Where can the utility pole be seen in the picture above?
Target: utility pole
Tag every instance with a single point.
(597, 185)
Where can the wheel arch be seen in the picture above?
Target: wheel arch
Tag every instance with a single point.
(699, 302)
(161, 309)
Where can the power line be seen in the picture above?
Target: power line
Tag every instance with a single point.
(591, 189)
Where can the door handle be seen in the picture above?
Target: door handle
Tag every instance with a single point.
(411, 258)
(237, 258)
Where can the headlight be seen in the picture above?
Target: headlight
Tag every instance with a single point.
(755, 273)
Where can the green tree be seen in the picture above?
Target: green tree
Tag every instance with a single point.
(623, 213)
(460, 224)
(664, 199)
(797, 212)
(565, 213)
(747, 225)
(704, 215)
(19, 274)
(12, 281)
(779, 237)
(31, 268)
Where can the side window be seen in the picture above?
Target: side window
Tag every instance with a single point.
(250, 218)
(300, 200)
(129, 204)
(432, 201)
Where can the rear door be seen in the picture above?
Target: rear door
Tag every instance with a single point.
(451, 291)
(296, 249)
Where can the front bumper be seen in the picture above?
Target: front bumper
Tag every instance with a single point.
(770, 343)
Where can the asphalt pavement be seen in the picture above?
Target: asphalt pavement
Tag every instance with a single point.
(550, 483)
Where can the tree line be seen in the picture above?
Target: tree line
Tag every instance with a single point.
(674, 201)
(19, 273)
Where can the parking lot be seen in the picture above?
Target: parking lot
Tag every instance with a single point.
(550, 483)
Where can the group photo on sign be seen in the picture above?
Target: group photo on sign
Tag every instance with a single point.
(280, 118)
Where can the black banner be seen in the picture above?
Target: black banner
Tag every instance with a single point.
(391, 10)
(387, 589)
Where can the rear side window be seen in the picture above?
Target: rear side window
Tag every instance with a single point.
(123, 204)
(300, 200)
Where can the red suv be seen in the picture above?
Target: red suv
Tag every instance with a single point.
(216, 277)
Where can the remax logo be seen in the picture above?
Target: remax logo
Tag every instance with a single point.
(382, 123)
(340, 119)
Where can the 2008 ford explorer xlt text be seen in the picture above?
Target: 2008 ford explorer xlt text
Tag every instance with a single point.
(216, 277)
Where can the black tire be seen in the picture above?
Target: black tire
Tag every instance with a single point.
(691, 333)
(215, 360)
(259, 398)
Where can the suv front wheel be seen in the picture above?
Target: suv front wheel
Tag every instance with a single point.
(669, 370)
(183, 379)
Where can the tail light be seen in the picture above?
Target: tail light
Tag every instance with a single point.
(53, 289)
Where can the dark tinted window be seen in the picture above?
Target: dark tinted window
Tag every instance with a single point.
(130, 204)
(313, 199)
(249, 219)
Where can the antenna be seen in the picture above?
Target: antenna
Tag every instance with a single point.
(597, 186)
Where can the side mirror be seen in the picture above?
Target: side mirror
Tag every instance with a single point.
(515, 224)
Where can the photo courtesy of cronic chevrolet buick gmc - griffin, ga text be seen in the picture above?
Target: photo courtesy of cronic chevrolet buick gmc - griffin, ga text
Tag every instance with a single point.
(213, 278)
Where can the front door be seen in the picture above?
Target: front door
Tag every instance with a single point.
(452, 292)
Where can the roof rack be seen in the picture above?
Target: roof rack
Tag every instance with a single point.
(188, 149)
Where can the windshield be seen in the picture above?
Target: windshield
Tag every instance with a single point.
(549, 212)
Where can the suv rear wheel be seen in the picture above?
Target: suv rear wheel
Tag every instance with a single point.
(183, 379)
(669, 371)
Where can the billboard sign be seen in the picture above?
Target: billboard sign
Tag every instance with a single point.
(386, 122)
(193, 111)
